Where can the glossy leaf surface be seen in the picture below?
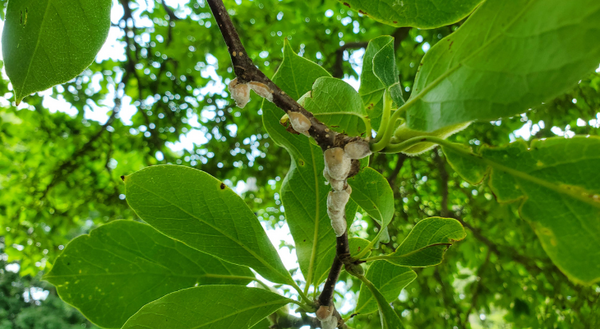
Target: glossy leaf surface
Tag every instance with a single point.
(389, 279)
(338, 105)
(372, 192)
(371, 88)
(510, 55)
(416, 13)
(48, 42)
(208, 307)
(303, 191)
(195, 208)
(426, 244)
(121, 266)
(389, 318)
(557, 182)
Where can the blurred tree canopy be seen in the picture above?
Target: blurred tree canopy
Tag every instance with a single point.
(156, 94)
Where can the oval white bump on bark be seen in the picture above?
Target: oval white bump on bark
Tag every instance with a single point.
(357, 149)
(324, 312)
(329, 323)
(262, 90)
(337, 163)
(240, 92)
(337, 185)
(300, 122)
(337, 200)
(338, 222)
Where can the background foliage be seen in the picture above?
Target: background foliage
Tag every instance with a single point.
(163, 84)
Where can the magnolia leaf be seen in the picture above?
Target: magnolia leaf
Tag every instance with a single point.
(372, 192)
(303, 191)
(337, 105)
(121, 266)
(379, 72)
(509, 56)
(425, 14)
(557, 183)
(385, 69)
(197, 209)
(426, 244)
(48, 42)
(389, 279)
(389, 318)
(371, 88)
(208, 307)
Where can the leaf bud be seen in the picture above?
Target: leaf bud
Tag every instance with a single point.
(355, 269)
(358, 149)
(300, 122)
(337, 163)
(240, 92)
(262, 90)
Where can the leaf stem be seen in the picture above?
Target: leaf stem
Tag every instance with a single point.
(385, 119)
(399, 147)
(368, 248)
(389, 130)
(301, 294)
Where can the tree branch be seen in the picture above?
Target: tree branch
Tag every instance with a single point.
(441, 165)
(246, 71)
(338, 69)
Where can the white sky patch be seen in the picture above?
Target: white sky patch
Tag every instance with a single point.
(35, 293)
(13, 267)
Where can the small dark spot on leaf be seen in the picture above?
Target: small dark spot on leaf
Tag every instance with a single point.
(123, 178)
(362, 12)
(301, 163)
(223, 186)
(451, 43)
(395, 22)
(347, 5)
(68, 263)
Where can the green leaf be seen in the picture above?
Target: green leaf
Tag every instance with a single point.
(372, 192)
(337, 105)
(121, 266)
(303, 191)
(557, 183)
(48, 42)
(509, 56)
(355, 245)
(385, 69)
(425, 14)
(389, 318)
(195, 208)
(426, 244)
(389, 280)
(379, 72)
(208, 307)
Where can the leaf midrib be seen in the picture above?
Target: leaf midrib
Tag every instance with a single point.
(459, 64)
(37, 44)
(250, 251)
(549, 185)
